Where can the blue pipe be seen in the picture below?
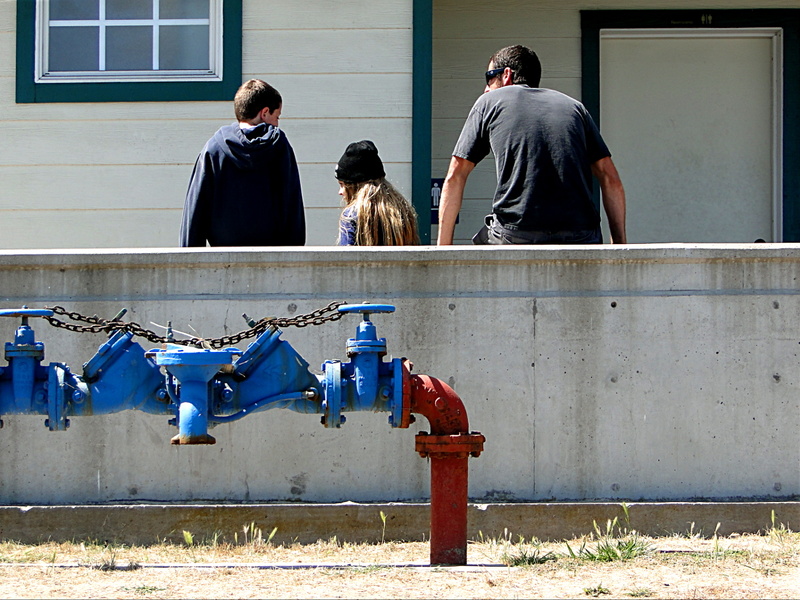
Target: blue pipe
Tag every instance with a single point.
(201, 388)
(268, 403)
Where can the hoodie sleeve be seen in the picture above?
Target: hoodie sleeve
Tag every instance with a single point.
(196, 208)
(294, 213)
(347, 227)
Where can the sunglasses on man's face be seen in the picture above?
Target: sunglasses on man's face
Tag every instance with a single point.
(492, 74)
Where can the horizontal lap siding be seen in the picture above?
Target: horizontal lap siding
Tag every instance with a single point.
(467, 32)
(115, 174)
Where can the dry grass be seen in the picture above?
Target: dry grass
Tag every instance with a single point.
(766, 566)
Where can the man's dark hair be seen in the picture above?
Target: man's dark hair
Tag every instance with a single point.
(253, 96)
(522, 61)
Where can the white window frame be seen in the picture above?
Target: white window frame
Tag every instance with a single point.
(156, 75)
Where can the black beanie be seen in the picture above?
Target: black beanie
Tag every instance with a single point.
(359, 163)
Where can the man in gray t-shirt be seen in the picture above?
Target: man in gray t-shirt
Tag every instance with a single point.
(546, 147)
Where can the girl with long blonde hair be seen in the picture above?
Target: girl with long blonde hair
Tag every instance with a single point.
(375, 213)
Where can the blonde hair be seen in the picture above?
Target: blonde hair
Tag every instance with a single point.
(383, 217)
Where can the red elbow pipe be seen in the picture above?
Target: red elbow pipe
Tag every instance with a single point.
(448, 446)
(436, 401)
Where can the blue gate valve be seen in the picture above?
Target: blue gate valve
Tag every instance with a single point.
(365, 352)
(23, 356)
(34, 389)
(365, 383)
(117, 378)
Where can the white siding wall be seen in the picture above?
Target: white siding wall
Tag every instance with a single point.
(115, 174)
(467, 32)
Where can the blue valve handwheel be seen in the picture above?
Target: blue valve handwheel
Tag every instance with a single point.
(367, 308)
(25, 312)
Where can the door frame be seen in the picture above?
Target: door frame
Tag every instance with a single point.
(592, 21)
(422, 100)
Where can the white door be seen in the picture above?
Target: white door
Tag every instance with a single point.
(692, 118)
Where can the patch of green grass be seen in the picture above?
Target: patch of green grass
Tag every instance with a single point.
(213, 540)
(720, 553)
(690, 533)
(366, 569)
(640, 593)
(520, 553)
(108, 564)
(596, 591)
(616, 543)
(525, 554)
(252, 535)
(144, 590)
(781, 535)
(765, 571)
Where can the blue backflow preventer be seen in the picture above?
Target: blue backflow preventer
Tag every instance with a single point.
(202, 388)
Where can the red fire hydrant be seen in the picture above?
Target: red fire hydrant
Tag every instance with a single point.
(448, 446)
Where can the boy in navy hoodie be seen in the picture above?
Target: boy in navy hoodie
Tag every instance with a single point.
(245, 188)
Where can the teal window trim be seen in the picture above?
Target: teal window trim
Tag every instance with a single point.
(422, 77)
(28, 91)
(592, 21)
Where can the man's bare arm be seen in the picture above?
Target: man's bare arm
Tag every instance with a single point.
(613, 198)
(452, 197)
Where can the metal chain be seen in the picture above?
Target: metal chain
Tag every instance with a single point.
(99, 325)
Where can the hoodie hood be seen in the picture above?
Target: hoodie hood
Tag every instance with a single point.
(249, 150)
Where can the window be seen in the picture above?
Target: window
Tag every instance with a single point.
(118, 50)
(82, 40)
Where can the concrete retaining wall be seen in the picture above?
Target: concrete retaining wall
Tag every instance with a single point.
(634, 373)
(142, 524)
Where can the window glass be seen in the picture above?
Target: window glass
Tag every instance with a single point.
(129, 9)
(133, 35)
(184, 9)
(74, 49)
(184, 47)
(129, 48)
(74, 9)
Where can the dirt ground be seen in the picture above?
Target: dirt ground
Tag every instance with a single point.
(766, 566)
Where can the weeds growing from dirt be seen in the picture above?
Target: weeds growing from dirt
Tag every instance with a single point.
(337, 568)
(144, 590)
(383, 531)
(109, 562)
(521, 553)
(720, 553)
(774, 554)
(613, 544)
(781, 535)
(526, 556)
(253, 536)
(596, 591)
(188, 538)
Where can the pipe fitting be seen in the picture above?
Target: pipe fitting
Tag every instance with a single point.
(439, 403)
(460, 445)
